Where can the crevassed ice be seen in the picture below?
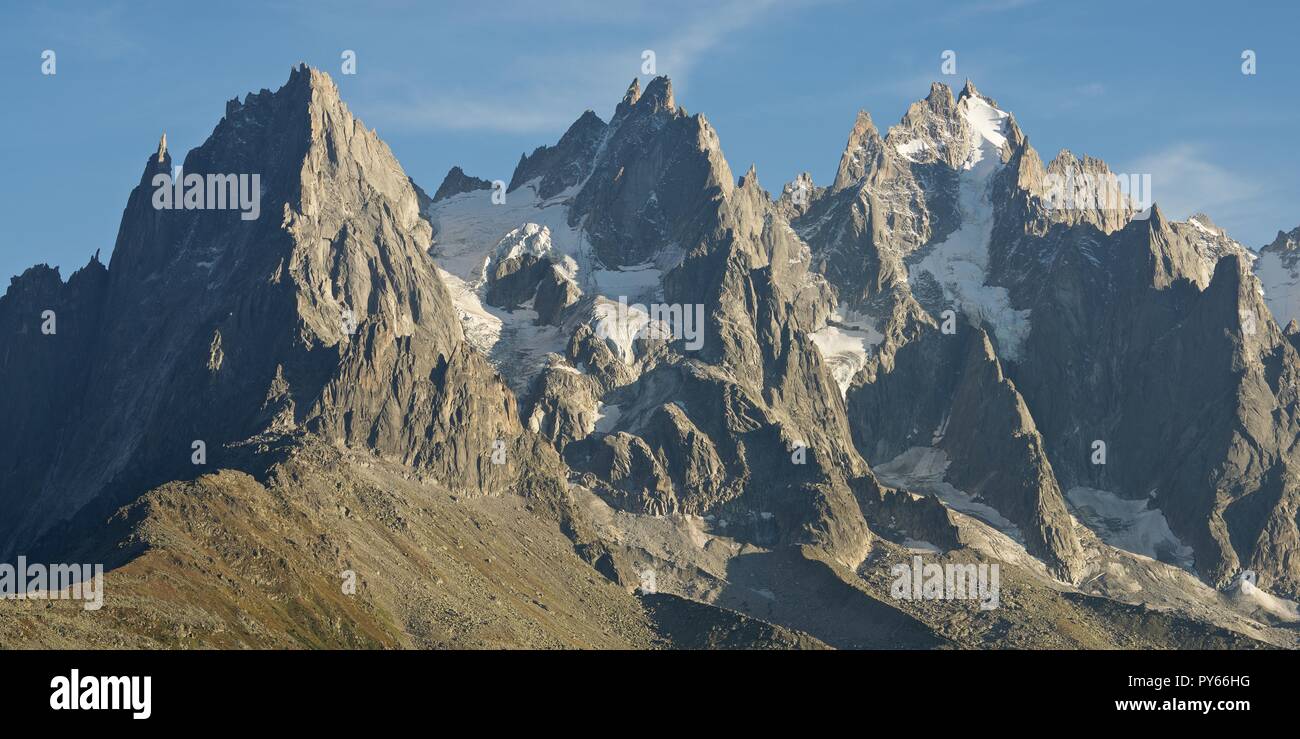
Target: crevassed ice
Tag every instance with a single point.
(472, 231)
(846, 345)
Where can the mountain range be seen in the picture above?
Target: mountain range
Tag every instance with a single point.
(628, 399)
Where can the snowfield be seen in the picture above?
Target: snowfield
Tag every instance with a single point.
(1280, 283)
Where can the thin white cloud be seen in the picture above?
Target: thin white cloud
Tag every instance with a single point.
(466, 113)
(1185, 180)
(987, 7)
(542, 92)
(682, 50)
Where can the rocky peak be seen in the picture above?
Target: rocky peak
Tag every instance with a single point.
(940, 98)
(658, 96)
(630, 98)
(457, 182)
(933, 129)
(1084, 190)
(798, 196)
(1159, 256)
(1203, 221)
(861, 153)
(322, 314)
(969, 92)
(1285, 243)
(1155, 220)
(159, 162)
(567, 163)
(649, 173)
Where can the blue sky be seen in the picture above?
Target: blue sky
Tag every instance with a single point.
(1147, 86)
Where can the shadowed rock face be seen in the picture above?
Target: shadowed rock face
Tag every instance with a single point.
(324, 314)
(44, 375)
(950, 392)
(1149, 342)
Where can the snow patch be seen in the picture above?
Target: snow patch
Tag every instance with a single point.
(922, 470)
(1129, 525)
(989, 125)
(845, 343)
(910, 149)
(921, 547)
(471, 231)
(1280, 282)
(1202, 227)
(620, 327)
(533, 239)
(638, 283)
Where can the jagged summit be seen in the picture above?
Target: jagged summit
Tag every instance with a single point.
(861, 151)
(1286, 242)
(940, 95)
(969, 91)
(565, 164)
(1202, 220)
(307, 90)
(306, 76)
(798, 195)
(569, 161)
(457, 182)
(1156, 219)
(658, 95)
(633, 93)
